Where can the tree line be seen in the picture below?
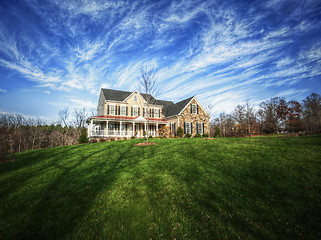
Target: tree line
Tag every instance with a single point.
(18, 133)
(275, 115)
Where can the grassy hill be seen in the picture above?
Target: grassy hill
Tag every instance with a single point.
(248, 188)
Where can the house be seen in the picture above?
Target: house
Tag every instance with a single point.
(124, 114)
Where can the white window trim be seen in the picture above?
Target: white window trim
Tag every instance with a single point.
(156, 113)
(123, 106)
(135, 107)
(194, 107)
(189, 127)
(200, 128)
(110, 109)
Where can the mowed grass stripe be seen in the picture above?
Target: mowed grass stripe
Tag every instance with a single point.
(227, 188)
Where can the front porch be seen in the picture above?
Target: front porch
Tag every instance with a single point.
(103, 128)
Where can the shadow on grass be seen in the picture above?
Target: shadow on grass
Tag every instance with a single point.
(56, 205)
(230, 193)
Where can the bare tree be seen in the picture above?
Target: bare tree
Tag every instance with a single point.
(222, 122)
(239, 115)
(63, 115)
(148, 85)
(80, 117)
(63, 121)
(209, 108)
(250, 118)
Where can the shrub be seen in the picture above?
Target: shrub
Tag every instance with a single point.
(102, 140)
(83, 138)
(188, 135)
(93, 141)
(132, 137)
(197, 135)
(180, 132)
(150, 136)
(112, 139)
(206, 135)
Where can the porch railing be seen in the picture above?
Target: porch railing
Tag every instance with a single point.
(116, 133)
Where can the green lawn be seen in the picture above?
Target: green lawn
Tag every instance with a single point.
(227, 188)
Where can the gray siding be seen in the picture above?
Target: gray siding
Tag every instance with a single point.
(101, 105)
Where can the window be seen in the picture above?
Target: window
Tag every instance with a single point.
(135, 111)
(194, 109)
(135, 98)
(111, 109)
(188, 127)
(123, 110)
(200, 128)
(156, 115)
(173, 128)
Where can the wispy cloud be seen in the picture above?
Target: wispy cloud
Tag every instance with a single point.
(210, 49)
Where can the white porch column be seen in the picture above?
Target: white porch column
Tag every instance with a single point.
(156, 129)
(145, 129)
(91, 127)
(133, 128)
(120, 128)
(107, 128)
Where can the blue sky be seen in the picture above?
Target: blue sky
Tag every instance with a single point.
(57, 54)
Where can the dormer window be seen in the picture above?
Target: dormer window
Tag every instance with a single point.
(135, 98)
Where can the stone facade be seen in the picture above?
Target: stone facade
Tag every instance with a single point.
(200, 117)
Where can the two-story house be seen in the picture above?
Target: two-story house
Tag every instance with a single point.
(126, 114)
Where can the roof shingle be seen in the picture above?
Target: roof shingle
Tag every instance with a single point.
(169, 108)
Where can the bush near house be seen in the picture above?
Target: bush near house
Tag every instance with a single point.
(180, 132)
(188, 135)
(230, 188)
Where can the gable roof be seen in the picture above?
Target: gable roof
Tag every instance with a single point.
(169, 108)
(176, 108)
(117, 95)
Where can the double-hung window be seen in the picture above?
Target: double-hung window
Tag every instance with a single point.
(156, 115)
(112, 109)
(123, 110)
(188, 127)
(135, 111)
(194, 109)
(200, 128)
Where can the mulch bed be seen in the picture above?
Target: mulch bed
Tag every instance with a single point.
(208, 138)
(145, 144)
